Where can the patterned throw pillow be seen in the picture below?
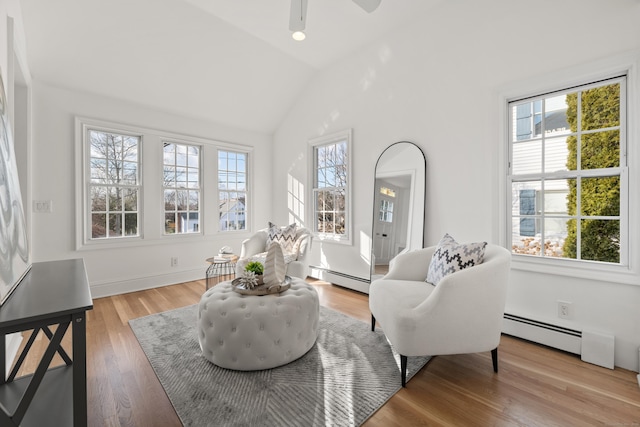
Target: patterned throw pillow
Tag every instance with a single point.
(451, 256)
(285, 236)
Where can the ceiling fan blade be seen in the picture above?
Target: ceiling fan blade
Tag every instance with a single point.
(368, 5)
(298, 16)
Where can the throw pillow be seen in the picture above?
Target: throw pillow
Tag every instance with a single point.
(451, 256)
(285, 236)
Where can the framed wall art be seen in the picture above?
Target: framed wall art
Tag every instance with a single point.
(15, 259)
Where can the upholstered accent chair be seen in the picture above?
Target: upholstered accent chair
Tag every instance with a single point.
(461, 314)
(296, 258)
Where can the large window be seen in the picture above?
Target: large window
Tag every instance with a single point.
(113, 184)
(568, 173)
(232, 190)
(181, 188)
(331, 186)
(141, 186)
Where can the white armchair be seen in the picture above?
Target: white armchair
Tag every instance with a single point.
(255, 249)
(462, 314)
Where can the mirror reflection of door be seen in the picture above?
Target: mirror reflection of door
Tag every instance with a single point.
(398, 205)
(392, 218)
(383, 231)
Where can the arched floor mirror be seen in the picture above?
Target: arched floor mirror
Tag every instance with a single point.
(398, 204)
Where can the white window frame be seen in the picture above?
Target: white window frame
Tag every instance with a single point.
(385, 213)
(150, 201)
(85, 182)
(342, 136)
(629, 65)
(247, 192)
(177, 188)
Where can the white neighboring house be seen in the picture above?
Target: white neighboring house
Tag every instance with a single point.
(527, 198)
(232, 215)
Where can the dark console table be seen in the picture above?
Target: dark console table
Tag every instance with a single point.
(52, 293)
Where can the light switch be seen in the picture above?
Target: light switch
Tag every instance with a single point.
(42, 206)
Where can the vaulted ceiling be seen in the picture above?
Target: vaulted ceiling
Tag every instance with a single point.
(228, 61)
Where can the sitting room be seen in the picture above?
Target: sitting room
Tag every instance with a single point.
(222, 213)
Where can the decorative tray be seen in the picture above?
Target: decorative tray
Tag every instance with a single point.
(263, 289)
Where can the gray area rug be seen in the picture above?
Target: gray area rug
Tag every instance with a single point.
(346, 376)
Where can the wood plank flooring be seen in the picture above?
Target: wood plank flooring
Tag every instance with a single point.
(535, 385)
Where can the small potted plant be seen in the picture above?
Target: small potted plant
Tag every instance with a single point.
(257, 268)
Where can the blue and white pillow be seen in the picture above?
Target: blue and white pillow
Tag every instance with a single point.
(451, 256)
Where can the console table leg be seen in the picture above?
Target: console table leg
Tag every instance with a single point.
(79, 338)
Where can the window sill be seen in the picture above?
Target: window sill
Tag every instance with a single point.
(576, 269)
(332, 239)
(133, 242)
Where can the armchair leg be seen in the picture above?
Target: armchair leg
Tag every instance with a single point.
(373, 323)
(494, 359)
(403, 370)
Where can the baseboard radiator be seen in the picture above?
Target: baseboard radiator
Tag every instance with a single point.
(341, 279)
(565, 339)
(593, 346)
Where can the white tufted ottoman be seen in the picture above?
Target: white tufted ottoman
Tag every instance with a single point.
(247, 332)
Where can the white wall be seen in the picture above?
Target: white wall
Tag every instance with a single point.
(437, 83)
(121, 270)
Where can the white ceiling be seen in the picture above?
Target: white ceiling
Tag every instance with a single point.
(229, 61)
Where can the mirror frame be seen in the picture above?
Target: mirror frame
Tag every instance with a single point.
(374, 207)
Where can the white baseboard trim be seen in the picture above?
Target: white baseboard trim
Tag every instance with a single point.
(133, 284)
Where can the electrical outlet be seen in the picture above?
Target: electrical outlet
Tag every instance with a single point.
(174, 261)
(565, 310)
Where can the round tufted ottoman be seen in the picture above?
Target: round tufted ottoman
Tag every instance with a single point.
(247, 332)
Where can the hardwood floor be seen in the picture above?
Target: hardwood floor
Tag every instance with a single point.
(535, 385)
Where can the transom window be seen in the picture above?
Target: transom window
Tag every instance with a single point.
(568, 173)
(232, 190)
(330, 186)
(181, 188)
(114, 184)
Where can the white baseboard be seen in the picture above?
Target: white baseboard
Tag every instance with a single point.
(133, 284)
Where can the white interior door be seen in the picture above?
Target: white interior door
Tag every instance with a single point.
(384, 229)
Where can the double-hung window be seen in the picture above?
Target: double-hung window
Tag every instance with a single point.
(181, 188)
(331, 180)
(232, 190)
(114, 184)
(567, 174)
(184, 176)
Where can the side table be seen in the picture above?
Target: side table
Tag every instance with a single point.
(222, 265)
